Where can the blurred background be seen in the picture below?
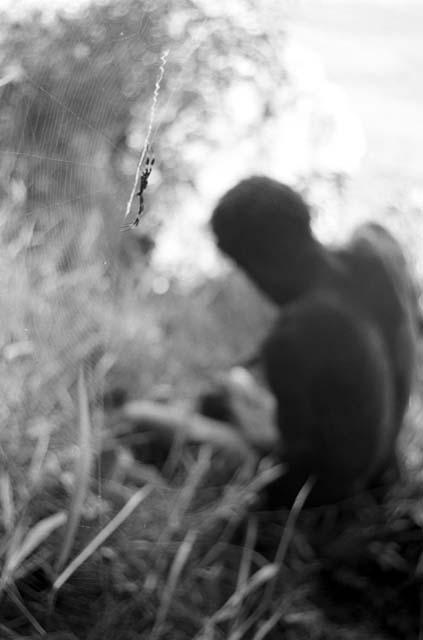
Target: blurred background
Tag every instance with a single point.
(325, 95)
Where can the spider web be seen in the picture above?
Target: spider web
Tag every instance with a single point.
(83, 98)
(66, 175)
(82, 103)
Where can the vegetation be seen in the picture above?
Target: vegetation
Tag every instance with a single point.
(95, 541)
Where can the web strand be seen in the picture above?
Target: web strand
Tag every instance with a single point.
(147, 141)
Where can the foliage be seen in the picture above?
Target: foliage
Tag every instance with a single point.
(76, 94)
(171, 550)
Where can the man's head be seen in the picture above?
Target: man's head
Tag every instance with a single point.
(264, 226)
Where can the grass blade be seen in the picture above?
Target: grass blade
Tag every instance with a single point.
(82, 472)
(175, 571)
(102, 536)
(33, 539)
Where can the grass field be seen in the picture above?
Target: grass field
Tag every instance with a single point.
(107, 533)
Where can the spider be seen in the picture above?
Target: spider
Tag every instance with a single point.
(149, 162)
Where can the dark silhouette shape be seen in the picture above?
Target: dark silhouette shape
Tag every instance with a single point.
(340, 359)
(216, 404)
